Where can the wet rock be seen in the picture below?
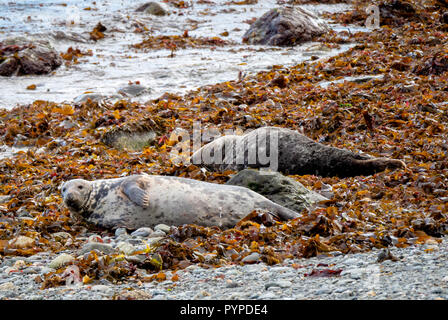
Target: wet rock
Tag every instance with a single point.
(251, 258)
(162, 227)
(7, 286)
(134, 136)
(61, 260)
(22, 56)
(86, 96)
(396, 12)
(69, 36)
(21, 242)
(154, 8)
(279, 283)
(102, 247)
(286, 26)
(133, 90)
(126, 248)
(135, 294)
(142, 232)
(120, 232)
(386, 255)
(277, 188)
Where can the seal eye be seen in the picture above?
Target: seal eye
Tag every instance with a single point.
(80, 187)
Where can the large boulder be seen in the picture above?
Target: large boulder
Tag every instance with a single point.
(286, 26)
(22, 56)
(154, 8)
(278, 188)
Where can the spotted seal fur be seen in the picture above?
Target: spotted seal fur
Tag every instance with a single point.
(297, 154)
(147, 200)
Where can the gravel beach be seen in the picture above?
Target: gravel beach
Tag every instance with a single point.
(417, 272)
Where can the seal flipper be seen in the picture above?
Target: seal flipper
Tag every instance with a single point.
(135, 193)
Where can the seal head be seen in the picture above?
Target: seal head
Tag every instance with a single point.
(76, 195)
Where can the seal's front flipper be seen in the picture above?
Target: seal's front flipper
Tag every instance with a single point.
(134, 191)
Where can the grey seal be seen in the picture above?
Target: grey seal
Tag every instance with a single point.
(147, 200)
(292, 153)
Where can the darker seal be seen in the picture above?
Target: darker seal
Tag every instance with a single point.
(293, 153)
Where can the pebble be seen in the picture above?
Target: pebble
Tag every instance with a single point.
(126, 248)
(21, 242)
(7, 286)
(61, 260)
(120, 232)
(101, 247)
(162, 227)
(142, 232)
(417, 275)
(251, 258)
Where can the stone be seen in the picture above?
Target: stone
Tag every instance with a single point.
(154, 8)
(134, 136)
(279, 283)
(121, 232)
(285, 26)
(61, 260)
(23, 56)
(101, 247)
(21, 242)
(278, 188)
(133, 90)
(7, 286)
(162, 227)
(135, 294)
(126, 248)
(142, 232)
(86, 96)
(251, 258)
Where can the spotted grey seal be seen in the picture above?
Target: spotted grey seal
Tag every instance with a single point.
(147, 200)
(292, 152)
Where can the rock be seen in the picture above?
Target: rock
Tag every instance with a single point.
(22, 56)
(19, 265)
(285, 26)
(279, 283)
(134, 136)
(61, 260)
(121, 232)
(94, 238)
(251, 258)
(162, 227)
(69, 36)
(386, 255)
(133, 90)
(277, 188)
(86, 96)
(135, 294)
(101, 287)
(7, 286)
(142, 232)
(21, 242)
(396, 12)
(154, 8)
(101, 247)
(126, 248)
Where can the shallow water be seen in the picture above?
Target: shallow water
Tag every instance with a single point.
(114, 63)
